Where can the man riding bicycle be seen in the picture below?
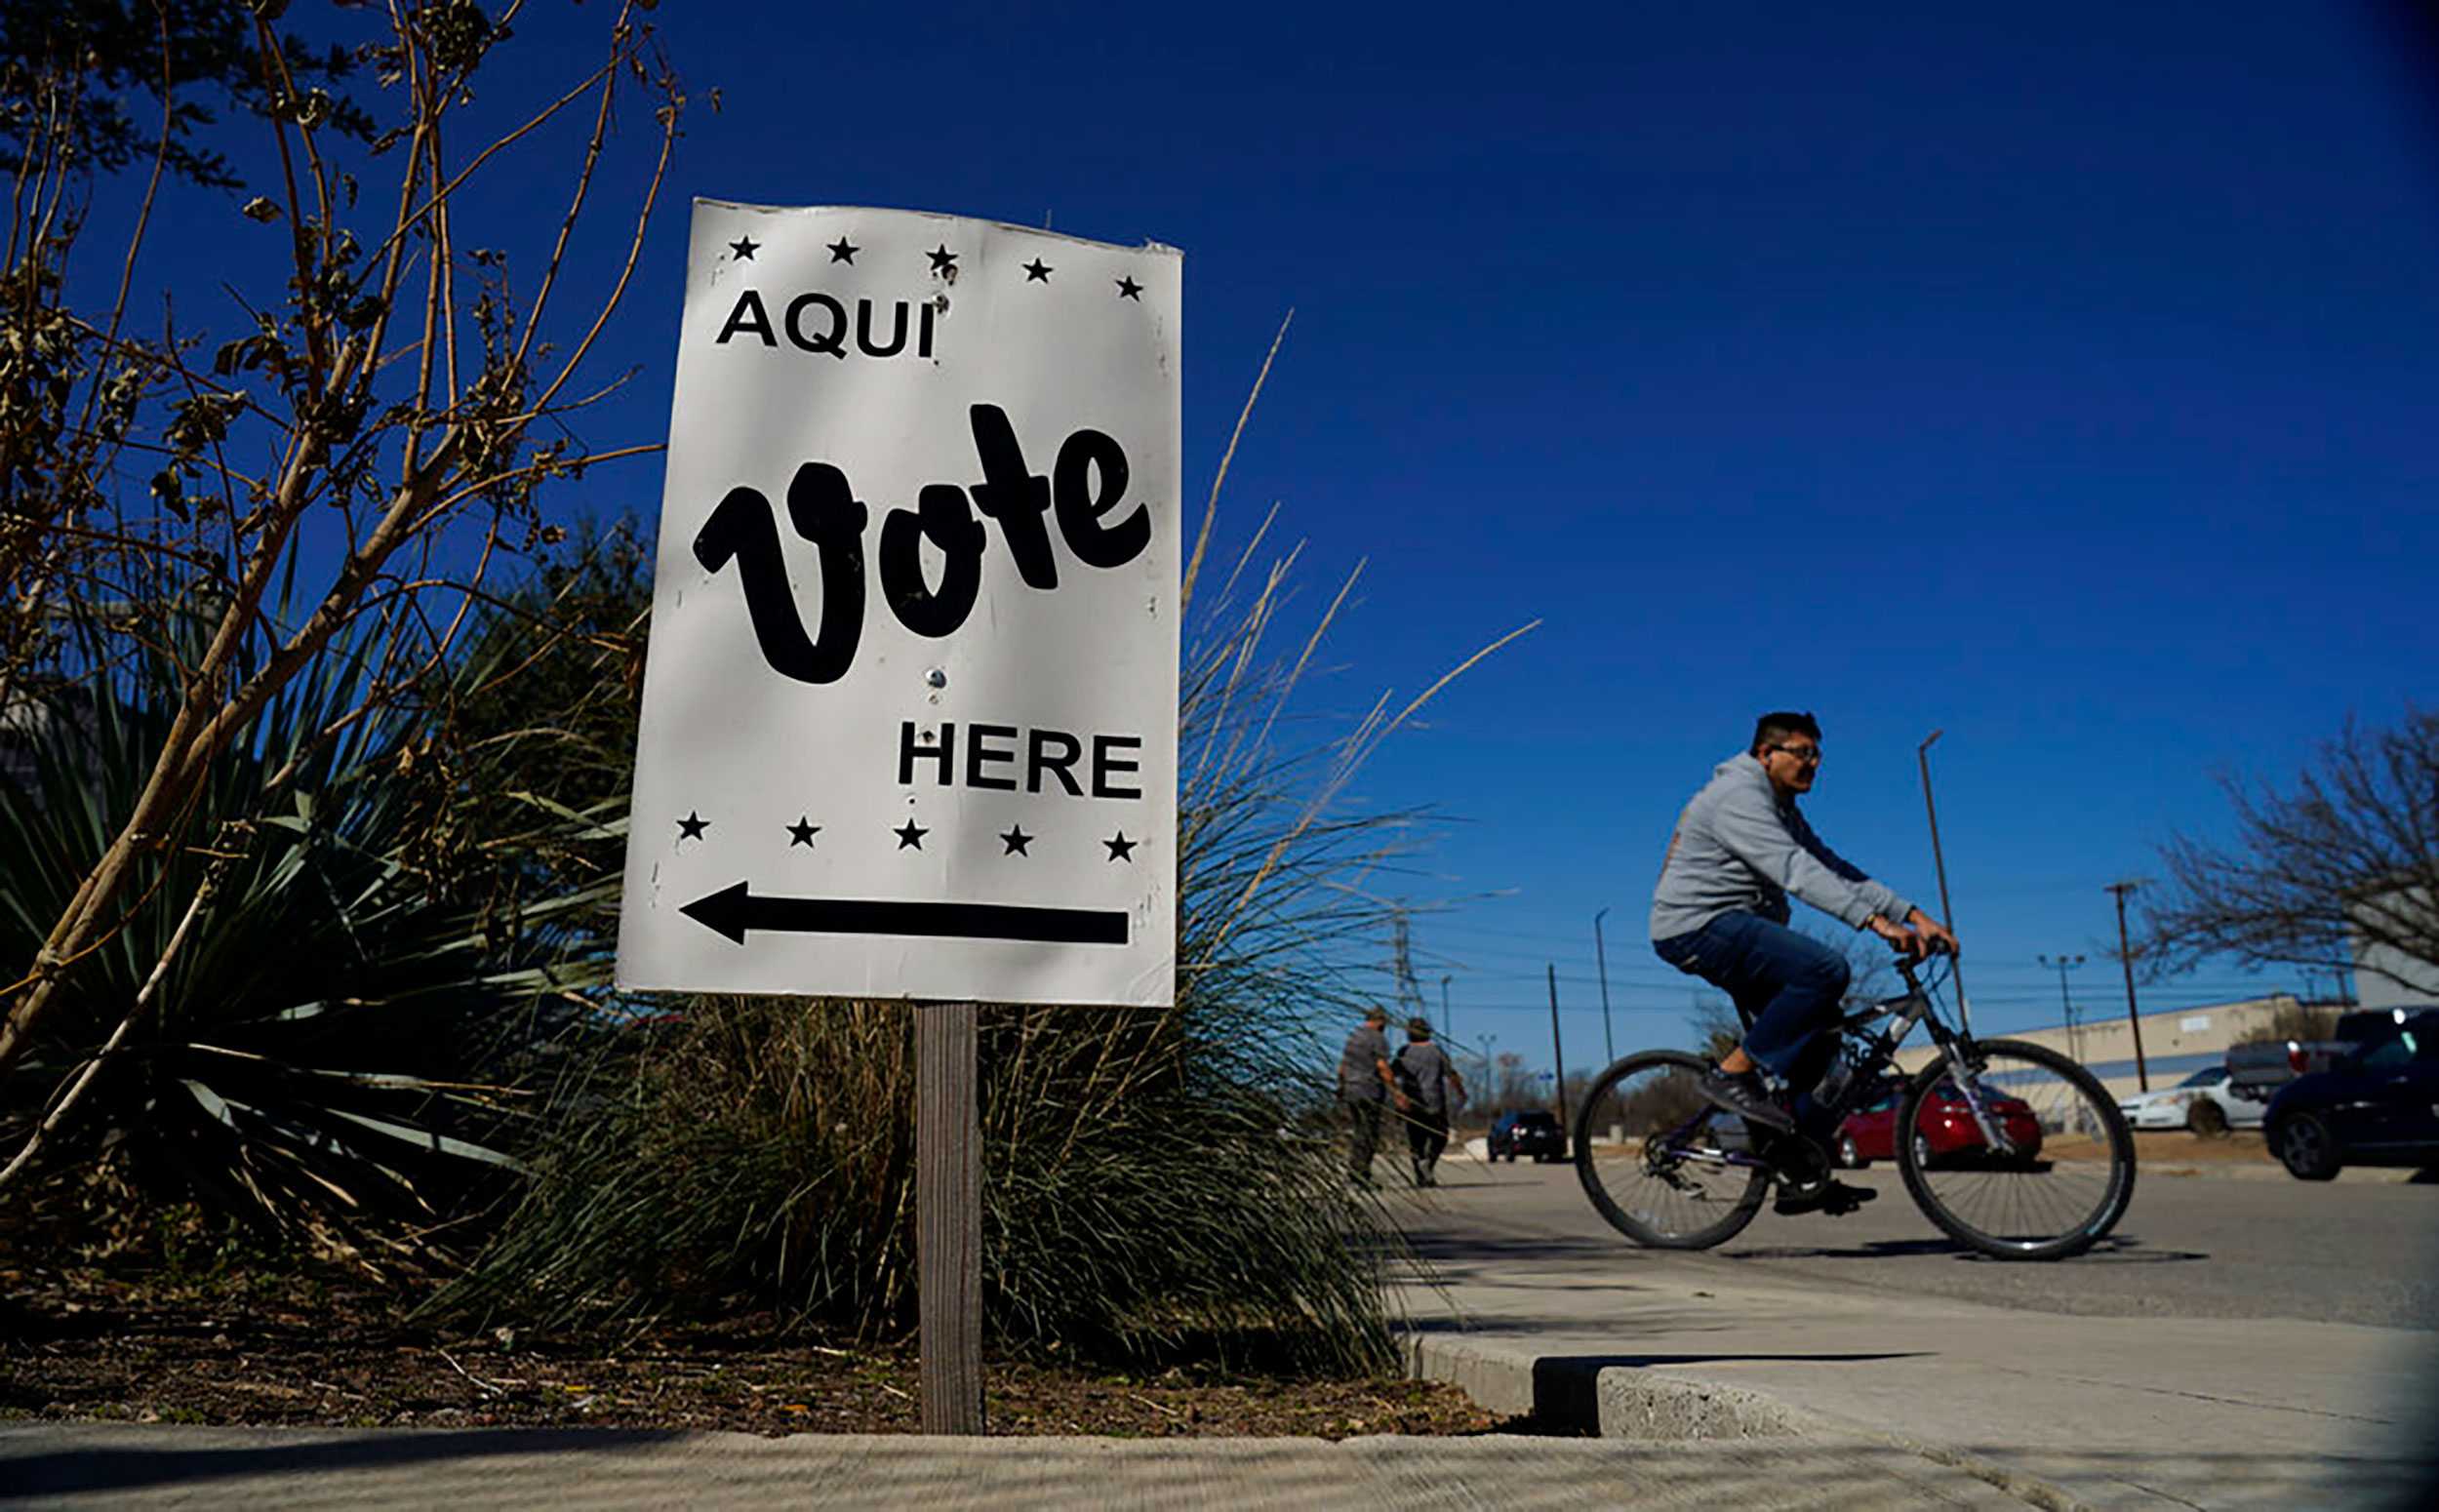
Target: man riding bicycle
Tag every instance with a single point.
(1720, 912)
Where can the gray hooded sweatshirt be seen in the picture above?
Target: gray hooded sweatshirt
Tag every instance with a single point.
(1741, 847)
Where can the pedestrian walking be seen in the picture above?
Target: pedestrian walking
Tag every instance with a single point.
(1365, 1085)
(1433, 1091)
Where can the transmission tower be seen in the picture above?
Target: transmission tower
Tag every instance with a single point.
(1402, 968)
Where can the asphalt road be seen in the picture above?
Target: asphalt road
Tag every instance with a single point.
(2208, 1245)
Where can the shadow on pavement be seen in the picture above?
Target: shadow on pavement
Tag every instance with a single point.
(63, 1472)
(1482, 1249)
(2111, 1251)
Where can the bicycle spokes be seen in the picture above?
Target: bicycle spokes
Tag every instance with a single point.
(2017, 1152)
(1660, 1162)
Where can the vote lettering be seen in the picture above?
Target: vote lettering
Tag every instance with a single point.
(1085, 487)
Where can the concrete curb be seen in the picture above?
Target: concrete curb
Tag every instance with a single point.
(1595, 1396)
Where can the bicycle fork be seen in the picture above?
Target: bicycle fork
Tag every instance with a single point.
(1969, 1087)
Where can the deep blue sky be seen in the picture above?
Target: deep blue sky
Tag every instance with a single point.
(2061, 378)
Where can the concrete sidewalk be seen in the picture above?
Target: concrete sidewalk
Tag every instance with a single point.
(261, 1470)
(2113, 1412)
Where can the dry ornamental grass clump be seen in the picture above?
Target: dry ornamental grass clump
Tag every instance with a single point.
(1157, 1183)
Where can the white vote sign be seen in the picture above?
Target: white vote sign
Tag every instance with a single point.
(910, 723)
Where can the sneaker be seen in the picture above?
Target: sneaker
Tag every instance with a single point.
(1833, 1197)
(1744, 1096)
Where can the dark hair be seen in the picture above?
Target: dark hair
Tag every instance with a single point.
(1774, 727)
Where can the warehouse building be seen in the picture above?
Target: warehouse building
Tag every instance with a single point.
(2176, 1042)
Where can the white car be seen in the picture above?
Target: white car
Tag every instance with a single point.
(2184, 1105)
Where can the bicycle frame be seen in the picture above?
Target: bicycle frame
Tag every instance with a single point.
(1914, 1005)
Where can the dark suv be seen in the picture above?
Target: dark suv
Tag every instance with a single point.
(1532, 1132)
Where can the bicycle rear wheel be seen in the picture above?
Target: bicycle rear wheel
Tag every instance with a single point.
(2058, 1176)
(1660, 1164)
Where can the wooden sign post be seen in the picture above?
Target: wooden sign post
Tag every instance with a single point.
(948, 1218)
(909, 722)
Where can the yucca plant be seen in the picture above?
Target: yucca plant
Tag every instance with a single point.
(295, 1021)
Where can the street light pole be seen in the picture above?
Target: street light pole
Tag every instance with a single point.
(1608, 1036)
(1558, 1055)
(1939, 861)
(2061, 964)
(1448, 1025)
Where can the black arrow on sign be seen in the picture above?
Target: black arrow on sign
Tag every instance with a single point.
(734, 910)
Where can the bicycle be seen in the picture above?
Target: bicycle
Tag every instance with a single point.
(2015, 1150)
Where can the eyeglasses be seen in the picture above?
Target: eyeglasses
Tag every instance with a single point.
(1809, 755)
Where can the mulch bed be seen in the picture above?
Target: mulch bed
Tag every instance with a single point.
(93, 1344)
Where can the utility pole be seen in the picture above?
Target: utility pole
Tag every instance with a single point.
(1608, 1036)
(2125, 958)
(2061, 964)
(1557, 1056)
(1448, 1025)
(1939, 861)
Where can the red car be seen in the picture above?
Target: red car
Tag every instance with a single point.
(1944, 1134)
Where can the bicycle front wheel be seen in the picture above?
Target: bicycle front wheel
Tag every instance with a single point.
(1663, 1167)
(2023, 1156)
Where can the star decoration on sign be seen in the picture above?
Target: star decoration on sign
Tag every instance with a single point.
(745, 246)
(843, 251)
(1129, 289)
(1015, 839)
(910, 836)
(1037, 271)
(944, 260)
(1122, 848)
(801, 833)
(691, 826)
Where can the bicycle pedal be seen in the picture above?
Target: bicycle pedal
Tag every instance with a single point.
(1832, 1197)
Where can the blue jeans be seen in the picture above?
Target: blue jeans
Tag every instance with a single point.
(1786, 987)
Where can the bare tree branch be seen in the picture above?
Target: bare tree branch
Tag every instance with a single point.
(2348, 857)
(393, 452)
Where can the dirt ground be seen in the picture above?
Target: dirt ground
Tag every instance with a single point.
(2177, 1148)
(2160, 1149)
(90, 1344)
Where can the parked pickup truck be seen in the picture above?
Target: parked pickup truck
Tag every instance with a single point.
(2259, 1070)
(2378, 1105)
